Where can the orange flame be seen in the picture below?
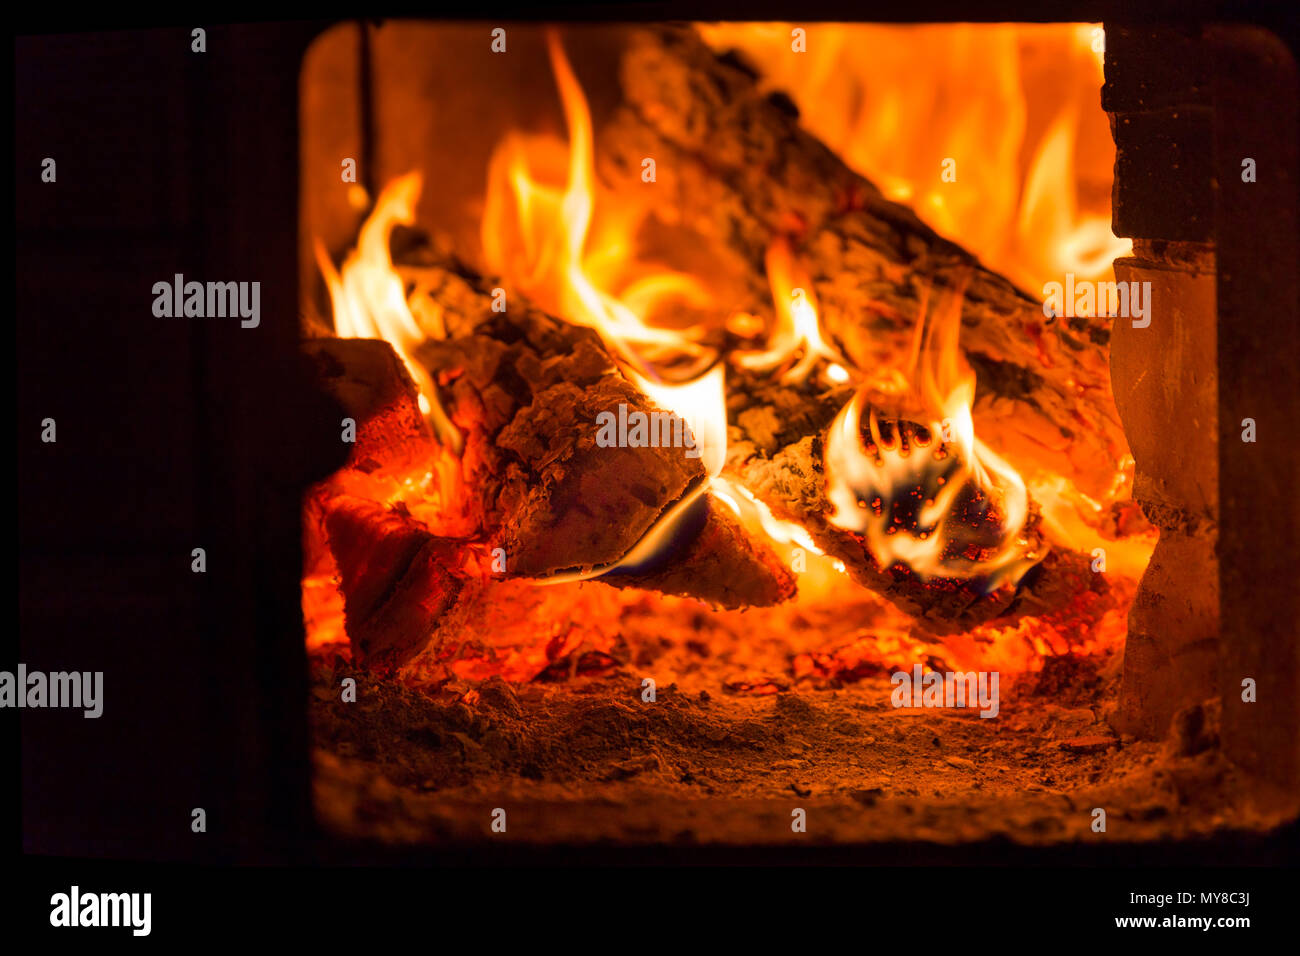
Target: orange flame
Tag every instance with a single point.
(797, 329)
(537, 236)
(369, 301)
(983, 129)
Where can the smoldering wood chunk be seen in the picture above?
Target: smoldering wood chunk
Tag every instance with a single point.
(392, 438)
(737, 170)
(398, 580)
(368, 379)
(718, 563)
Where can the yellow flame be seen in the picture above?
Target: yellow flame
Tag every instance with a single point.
(1083, 243)
(369, 300)
(750, 510)
(977, 127)
(1070, 519)
(536, 235)
(797, 329)
(702, 403)
(935, 499)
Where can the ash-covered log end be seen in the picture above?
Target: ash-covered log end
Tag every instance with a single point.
(792, 483)
(528, 392)
(579, 504)
(398, 580)
(719, 564)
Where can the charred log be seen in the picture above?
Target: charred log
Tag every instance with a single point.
(777, 452)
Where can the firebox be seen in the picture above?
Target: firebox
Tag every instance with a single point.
(688, 438)
(761, 432)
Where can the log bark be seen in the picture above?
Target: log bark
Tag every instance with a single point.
(527, 390)
(736, 170)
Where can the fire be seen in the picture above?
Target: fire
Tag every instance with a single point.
(369, 301)
(922, 490)
(539, 237)
(926, 492)
(542, 239)
(981, 128)
(797, 328)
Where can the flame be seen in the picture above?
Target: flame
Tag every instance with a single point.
(1031, 198)
(537, 236)
(926, 492)
(1080, 243)
(702, 403)
(545, 240)
(1011, 105)
(1070, 518)
(369, 300)
(796, 327)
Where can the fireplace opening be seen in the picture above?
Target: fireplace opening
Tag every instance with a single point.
(748, 425)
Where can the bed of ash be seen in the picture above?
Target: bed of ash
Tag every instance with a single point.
(755, 714)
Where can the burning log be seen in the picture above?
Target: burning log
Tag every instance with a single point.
(528, 391)
(780, 458)
(735, 167)
(525, 392)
